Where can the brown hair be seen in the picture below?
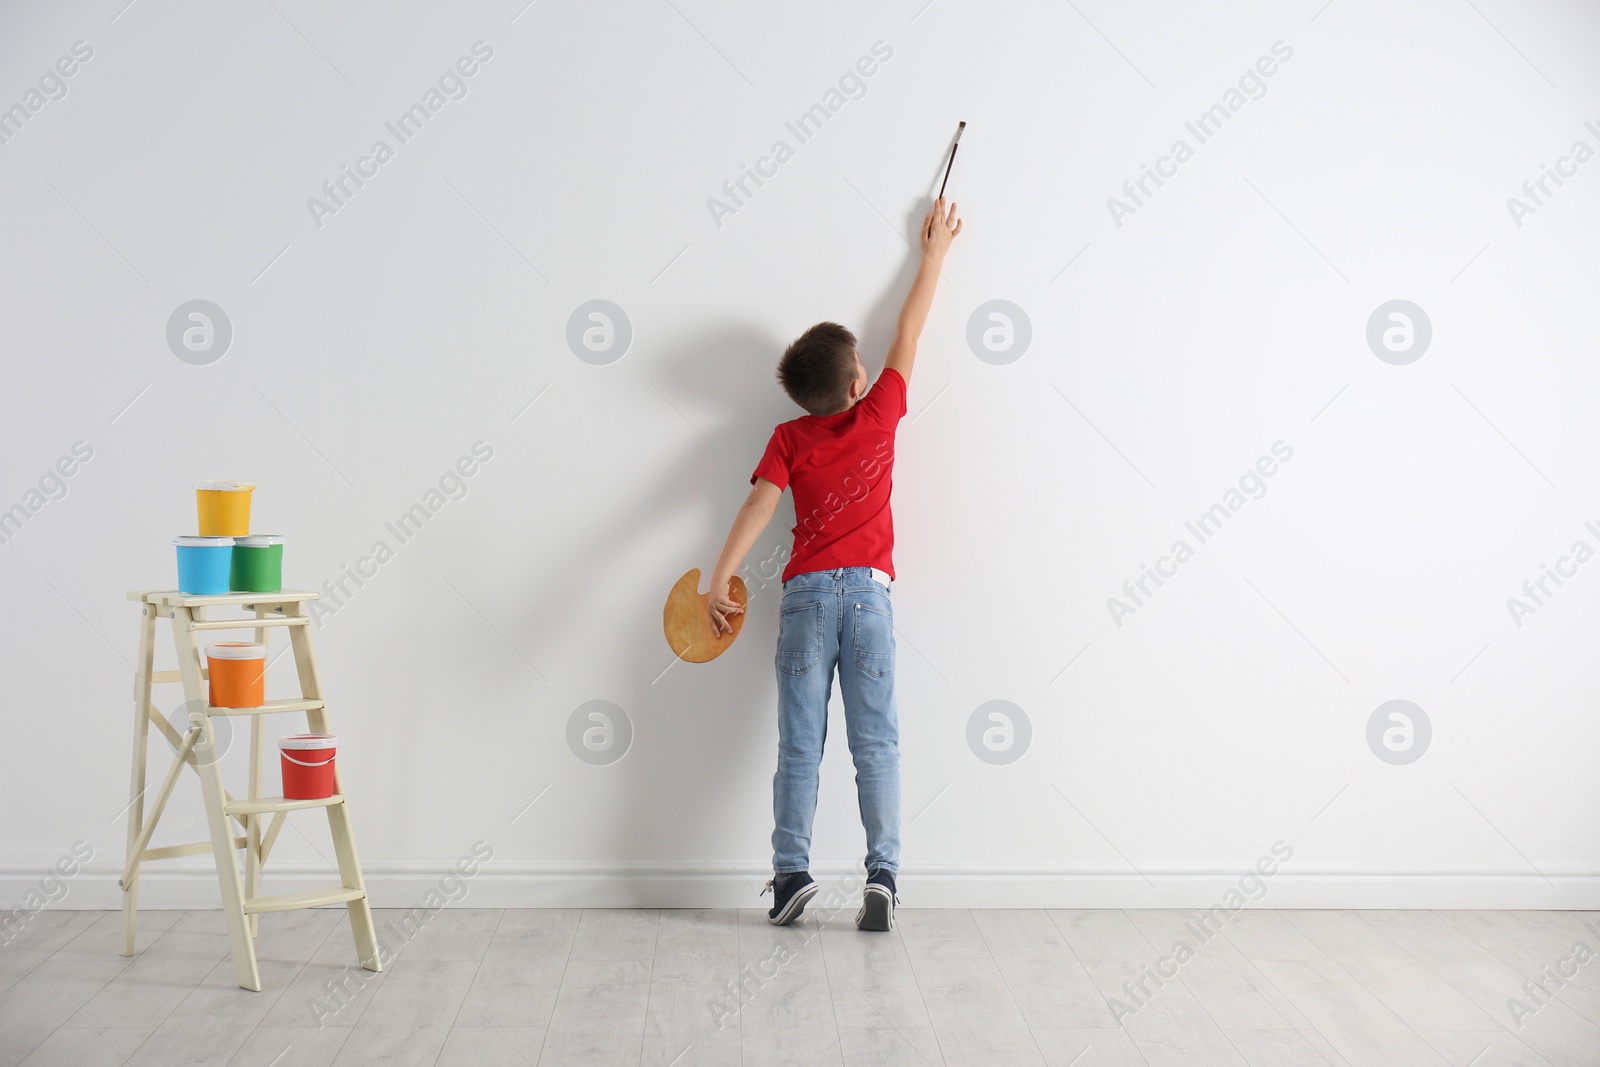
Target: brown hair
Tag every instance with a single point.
(817, 369)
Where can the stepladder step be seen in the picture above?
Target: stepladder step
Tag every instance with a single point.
(268, 804)
(307, 898)
(268, 707)
(252, 623)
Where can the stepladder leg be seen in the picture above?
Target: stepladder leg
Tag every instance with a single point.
(136, 781)
(252, 850)
(252, 847)
(130, 916)
(244, 949)
(208, 762)
(252, 874)
(344, 850)
(344, 842)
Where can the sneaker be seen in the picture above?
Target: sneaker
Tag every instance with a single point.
(877, 902)
(790, 892)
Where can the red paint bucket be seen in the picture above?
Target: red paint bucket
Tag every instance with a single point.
(307, 765)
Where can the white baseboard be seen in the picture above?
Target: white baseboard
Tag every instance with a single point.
(569, 885)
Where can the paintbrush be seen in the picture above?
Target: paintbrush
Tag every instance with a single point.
(953, 146)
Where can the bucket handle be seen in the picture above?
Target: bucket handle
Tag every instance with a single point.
(285, 754)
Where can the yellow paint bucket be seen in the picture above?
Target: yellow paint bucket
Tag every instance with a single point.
(224, 508)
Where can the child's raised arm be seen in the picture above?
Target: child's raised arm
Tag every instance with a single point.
(939, 228)
(754, 514)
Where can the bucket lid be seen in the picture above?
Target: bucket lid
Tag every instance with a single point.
(225, 487)
(258, 540)
(305, 741)
(236, 650)
(192, 541)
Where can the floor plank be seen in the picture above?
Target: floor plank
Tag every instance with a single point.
(1356, 1023)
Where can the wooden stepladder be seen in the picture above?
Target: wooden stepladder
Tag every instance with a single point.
(196, 746)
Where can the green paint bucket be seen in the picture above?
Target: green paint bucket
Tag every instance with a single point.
(257, 564)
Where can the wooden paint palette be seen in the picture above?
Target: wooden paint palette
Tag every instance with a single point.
(687, 626)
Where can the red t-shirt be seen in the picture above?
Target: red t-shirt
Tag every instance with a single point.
(839, 467)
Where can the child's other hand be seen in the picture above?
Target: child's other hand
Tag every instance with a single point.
(719, 606)
(939, 228)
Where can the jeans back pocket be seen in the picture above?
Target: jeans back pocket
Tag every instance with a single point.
(799, 637)
(874, 640)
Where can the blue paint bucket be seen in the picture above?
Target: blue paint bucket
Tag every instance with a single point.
(203, 564)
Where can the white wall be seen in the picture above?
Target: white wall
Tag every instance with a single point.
(1170, 349)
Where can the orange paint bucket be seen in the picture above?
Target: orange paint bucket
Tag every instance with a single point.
(224, 508)
(238, 674)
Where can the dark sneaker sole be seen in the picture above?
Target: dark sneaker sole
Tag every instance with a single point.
(877, 909)
(796, 905)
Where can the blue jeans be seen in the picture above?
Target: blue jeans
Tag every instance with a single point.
(836, 619)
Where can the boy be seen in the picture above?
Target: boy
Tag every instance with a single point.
(836, 612)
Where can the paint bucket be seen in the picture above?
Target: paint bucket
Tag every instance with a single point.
(203, 564)
(307, 765)
(257, 564)
(224, 508)
(238, 674)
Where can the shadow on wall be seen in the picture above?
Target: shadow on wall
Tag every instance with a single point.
(728, 371)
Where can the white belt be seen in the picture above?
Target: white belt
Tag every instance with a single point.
(882, 578)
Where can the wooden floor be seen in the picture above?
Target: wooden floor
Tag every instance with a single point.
(987, 988)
